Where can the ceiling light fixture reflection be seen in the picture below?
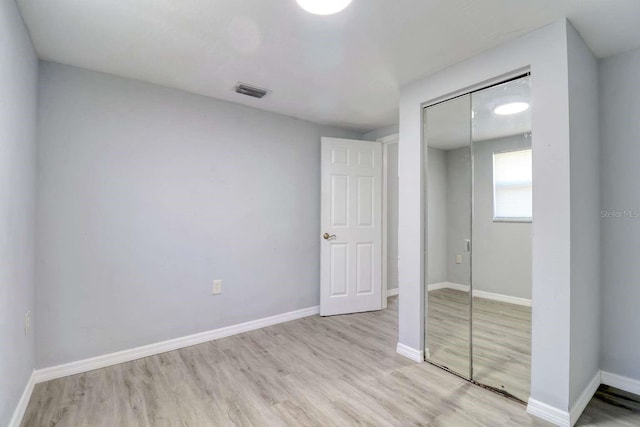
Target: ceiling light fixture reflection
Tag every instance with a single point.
(323, 7)
(511, 108)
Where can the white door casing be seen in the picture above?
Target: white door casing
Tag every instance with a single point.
(351, 210)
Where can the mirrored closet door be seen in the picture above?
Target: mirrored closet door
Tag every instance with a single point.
(449, 189)
(478, 211)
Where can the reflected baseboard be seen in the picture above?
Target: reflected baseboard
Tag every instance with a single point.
(448, 285)
(18, 413)
(480, 294)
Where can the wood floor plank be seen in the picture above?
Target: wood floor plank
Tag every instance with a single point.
(501, 339)
(611, 407)
(334, 371)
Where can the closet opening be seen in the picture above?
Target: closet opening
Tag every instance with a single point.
(478, 221)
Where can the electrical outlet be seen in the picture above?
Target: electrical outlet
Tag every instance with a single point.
(458, 259)
(27, 322)
(217, 287)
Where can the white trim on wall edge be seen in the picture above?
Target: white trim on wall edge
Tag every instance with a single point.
(565, 418)
(392, 292)
(548, 413)
(410, 353)
(481, 294)
(18, 413)
(47, 374)
(585, 397)
(618, 381)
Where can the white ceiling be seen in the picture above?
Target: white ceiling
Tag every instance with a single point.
(342, 70)
(454, 123)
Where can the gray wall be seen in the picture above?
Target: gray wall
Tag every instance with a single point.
(620, 142)
(436, 215)
(380, 133)
(147, 194)
(392, 216)
(585, 218)
(501, 250)
(458, 214)
(18, 82)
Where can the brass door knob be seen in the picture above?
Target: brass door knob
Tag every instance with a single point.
(328, 236)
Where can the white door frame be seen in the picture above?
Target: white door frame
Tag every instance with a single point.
(386, 141)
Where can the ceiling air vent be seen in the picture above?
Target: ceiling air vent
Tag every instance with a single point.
(248, 90)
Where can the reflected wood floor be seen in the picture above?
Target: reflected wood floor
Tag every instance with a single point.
(448, 332)
(335, 371)
(501, 339)
(502, 346)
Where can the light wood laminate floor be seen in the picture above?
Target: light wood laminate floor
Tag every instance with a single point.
(611, 407)
(335, 371)
(501, 339)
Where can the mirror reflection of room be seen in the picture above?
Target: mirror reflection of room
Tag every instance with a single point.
(448, 131)
(478, 236)
(502, 220)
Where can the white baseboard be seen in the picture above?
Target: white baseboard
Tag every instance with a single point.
(18, 413)
(103, 361)
(392, 292)
(565, 418)
(502, 298)
(583, 400)
(448, 285)
(410, 353)
(623, 383)
(549, 413)
(480, 294)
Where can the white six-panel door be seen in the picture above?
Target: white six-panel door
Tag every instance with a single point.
(351, 221)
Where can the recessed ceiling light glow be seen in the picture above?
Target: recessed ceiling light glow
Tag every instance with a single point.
(323, 7)
(511, 108)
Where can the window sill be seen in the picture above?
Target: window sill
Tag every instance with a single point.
(523, 220)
